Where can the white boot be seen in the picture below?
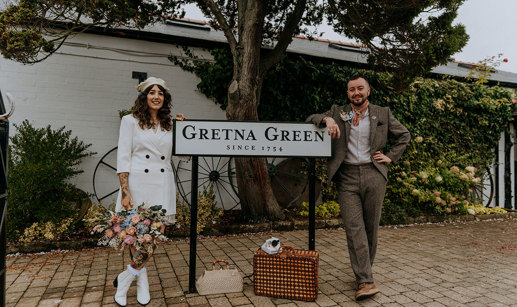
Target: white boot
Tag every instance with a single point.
(142, 284)
(122, 283)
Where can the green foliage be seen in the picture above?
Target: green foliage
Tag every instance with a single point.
(452, 124)
(406, 37)
(481, 72)
(28, 27)
(324, 210)
(41, 163)
(207, 211)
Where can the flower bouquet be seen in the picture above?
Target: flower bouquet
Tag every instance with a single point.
(137, 228)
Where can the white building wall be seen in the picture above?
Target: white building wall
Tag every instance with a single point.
(84, 85)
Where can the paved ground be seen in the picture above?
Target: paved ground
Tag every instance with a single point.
(462, 264)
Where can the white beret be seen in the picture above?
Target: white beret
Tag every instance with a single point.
(151, 81)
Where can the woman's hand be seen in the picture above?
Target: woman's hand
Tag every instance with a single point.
(126, 201)
(180, 116)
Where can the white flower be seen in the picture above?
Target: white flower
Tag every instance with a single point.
(419, 139)
(438, 178)
(470, 169)
(423, 175)
(464, 176)
(476, 180)
(415, 192)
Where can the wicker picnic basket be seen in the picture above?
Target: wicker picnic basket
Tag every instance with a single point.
(292, 274)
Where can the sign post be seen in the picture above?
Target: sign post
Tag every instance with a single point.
(252, 139)
(193, 226)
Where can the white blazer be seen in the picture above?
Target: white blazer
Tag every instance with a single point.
(146, 155)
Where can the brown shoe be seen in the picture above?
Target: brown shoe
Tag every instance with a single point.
(365, 290)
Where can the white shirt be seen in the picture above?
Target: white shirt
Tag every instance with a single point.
(359, 142)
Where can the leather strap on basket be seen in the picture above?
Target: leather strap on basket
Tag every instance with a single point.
(220, 260)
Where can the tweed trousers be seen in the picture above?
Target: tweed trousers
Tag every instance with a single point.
(361, 191)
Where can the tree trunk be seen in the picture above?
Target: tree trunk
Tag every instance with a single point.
(255, 193)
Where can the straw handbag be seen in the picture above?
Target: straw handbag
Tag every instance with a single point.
(224, 280)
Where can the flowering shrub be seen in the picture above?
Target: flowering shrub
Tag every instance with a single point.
(325, 210)
(45, 231)
(95, 214)
(207, 211)
(476, 209)
(138, 228)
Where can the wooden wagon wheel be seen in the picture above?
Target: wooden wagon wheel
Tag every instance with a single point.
(483, 192)
(217, 171)
(105, 179)
(289, 181)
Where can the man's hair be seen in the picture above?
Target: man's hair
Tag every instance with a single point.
(357, 76)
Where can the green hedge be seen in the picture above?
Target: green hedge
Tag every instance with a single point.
(453, 125)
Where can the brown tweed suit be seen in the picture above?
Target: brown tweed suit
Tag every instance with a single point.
(361, 188)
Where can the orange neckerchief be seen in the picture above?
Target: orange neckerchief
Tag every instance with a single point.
(359, 112)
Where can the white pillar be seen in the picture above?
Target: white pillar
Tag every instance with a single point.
(512, 164)
(500, 173)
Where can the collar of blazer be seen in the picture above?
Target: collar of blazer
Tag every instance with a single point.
(155, 138)
(373, 115)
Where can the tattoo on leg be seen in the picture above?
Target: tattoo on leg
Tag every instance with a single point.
(138, 259)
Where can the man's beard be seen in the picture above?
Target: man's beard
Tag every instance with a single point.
(360, 103)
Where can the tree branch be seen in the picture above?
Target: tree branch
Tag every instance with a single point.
(214, 9)
(285, 37)
(242, 5)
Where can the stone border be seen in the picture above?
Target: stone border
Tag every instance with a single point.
(37, 247)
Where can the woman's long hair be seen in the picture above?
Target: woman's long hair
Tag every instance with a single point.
(141, 110)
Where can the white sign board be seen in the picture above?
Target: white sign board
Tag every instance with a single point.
(239, 138)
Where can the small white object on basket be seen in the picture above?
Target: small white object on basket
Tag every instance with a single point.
(224, 280)
(272, 246)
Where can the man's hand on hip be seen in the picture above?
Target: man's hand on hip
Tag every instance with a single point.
(381, 158)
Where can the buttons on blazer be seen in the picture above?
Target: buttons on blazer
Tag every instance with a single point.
(146, 170)
(162, 170)
(163, 157)
(147, 156)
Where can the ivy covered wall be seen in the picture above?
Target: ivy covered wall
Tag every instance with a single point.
(454, 125)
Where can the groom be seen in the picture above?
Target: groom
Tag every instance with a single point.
(359, 133)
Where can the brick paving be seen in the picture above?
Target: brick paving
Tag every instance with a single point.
(458, 264)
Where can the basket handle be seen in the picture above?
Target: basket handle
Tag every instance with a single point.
(220, 260)
(287, 249)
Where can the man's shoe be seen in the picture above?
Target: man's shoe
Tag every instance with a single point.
(365, 290)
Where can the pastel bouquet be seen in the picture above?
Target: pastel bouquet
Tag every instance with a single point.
(138, 228)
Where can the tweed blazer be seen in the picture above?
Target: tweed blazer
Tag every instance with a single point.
(382, 122)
